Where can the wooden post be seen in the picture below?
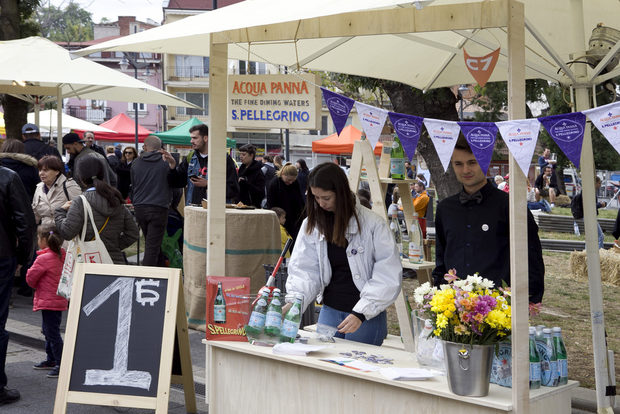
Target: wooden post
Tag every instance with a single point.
(216, 192)
(518, 215)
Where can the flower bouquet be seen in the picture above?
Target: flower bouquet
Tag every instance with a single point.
(471, 317)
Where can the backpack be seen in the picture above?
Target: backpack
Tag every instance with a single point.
(576, 206)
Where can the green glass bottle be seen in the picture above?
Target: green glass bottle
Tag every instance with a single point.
(397, 160)
(257, 319)
(273, 321)
(219, 306)
(560, 351)
(290, 324)
(535, 374)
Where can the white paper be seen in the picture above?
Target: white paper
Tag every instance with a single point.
(444, 135)
(299, 349)
(407, 374)
(372, 120)
(520, 137)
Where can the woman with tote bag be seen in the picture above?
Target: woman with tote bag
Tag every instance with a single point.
(115, 224)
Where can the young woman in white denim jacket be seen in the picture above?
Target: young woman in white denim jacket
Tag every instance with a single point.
(345, 257)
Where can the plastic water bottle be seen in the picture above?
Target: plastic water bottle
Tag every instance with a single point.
(535, 375)
(259, 314)
(539, 332)
(549, 361)
(560, 351)
(416, 242)
(576, 228)
(291, 322)
(273, 320)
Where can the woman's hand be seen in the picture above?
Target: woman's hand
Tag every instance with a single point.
(286, 308)
(66, 205)
(350, 324)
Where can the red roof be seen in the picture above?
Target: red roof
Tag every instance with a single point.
(125, 128)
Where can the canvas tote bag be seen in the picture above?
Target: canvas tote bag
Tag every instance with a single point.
(82, 251)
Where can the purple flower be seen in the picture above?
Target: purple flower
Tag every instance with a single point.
(485, 304)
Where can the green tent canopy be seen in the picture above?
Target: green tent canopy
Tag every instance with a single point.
(179, 135)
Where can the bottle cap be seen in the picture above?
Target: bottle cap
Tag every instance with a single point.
(557, 329)
(276, 290)
(532, 330)
(546, 331)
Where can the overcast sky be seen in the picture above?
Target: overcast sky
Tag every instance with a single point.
(111, 9)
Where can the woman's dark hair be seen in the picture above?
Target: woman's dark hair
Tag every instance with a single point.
(91, 174)
(303, 165)
(48, 233)
(330, 177)
(14, 146)
(51, 162)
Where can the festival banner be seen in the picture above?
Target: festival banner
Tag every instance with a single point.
(606, 119)
(444, 135)
(567, 131)
(372, 119)
(482, 67)
(339, 108)
(408, 129)
(481, 139)
(520, 137)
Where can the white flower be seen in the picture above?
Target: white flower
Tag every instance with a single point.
(460, 283)
(487, 284)
(420, 292)
(445, 287)
(475, 279)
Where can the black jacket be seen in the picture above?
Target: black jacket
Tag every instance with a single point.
(124, 178)
(553, 182)
(17, 226)
(149, 180)
(251, 184)
(474, 237)
(288, 198)
(25, 166)
(37, 148)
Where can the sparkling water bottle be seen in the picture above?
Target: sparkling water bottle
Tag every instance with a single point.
(290, 324)
(257, 319)
(535, 375)
(397, 160)
(219, 306)
(416, 242)
(560, 351)
(273, 321)
(549, 360)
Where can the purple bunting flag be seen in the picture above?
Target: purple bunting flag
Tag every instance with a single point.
(339, 108)
(408, 129)
(481, 138)
(567, 131)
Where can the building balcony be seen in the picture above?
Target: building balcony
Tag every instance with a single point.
(96, 116)
(187, 73)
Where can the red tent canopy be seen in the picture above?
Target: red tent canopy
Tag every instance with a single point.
(125, 128)
(342, 144)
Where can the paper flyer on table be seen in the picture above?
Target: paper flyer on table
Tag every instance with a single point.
(407, 374)
(353, 364)
(287, 348)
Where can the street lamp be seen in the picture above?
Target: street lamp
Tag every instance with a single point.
(462, 88)
(130, 59)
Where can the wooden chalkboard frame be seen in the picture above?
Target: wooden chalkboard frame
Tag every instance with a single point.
(174, 321)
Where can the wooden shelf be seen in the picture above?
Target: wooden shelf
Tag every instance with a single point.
(418, 266)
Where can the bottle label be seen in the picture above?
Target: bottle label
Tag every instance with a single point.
(289, 328)
(397, 167)
(257, 320)
(415, 253)
(293, 311)
(563, 368)
(273, 319)
(535, 371)
(545, 353)
(219, 313)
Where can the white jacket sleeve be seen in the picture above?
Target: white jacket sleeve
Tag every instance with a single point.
(304, 268)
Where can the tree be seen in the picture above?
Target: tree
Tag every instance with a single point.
(69, 24)
(15, 23)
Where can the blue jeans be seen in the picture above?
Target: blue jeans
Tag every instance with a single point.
(7, 274)
(372, 331)
(51, 330)
(601, 236)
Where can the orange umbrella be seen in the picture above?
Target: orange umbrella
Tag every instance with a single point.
(342, 144)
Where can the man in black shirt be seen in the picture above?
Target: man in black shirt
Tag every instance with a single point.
(251, 177)
(33, 144)
(472, 230)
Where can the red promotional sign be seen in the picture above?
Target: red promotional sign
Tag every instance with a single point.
(228, 307)
(482, 67)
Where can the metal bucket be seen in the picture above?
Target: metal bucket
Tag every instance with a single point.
(468, 368)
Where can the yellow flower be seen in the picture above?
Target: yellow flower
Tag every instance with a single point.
(442, 321)
(437, 332)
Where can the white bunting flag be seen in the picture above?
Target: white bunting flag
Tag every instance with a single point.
(372, 119)
(520, 136)
(606, 118)
(444, 135)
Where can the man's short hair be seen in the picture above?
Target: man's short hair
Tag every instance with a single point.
(202, 129)
(249, 148)
(462, 144)
(109, 149)
(88, 132)
(267, 158)
(153, 142)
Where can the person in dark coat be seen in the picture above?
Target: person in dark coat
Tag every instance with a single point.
(13, 156)
(251, 178)
(33, 144)
(284, 192)
(302, 176)
(113, 160)
(123, 171)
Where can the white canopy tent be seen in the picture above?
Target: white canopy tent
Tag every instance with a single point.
(37, 70)
(424, 49)
(48, 120)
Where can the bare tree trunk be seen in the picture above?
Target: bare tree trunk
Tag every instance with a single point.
(439, 104)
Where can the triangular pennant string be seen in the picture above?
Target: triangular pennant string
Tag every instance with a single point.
(443, 134)
(408, 129)
(372, 119)
(339, 108)
(606, 119)
(567, 131)
(520, 137)
(481, 138)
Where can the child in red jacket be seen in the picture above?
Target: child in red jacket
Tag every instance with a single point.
(44, 276)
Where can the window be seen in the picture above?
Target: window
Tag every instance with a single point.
(323, 125)
(191, 66)
(242, 67)
(200, 99)
(141, 107)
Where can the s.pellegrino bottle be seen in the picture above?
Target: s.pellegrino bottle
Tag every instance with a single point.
(290, 324)
(397, 160)
(416, 242)
(550, 369)
(560, 351)
(397, 232)
(259, 314)
(273, 322)
(219, 306)
(535, 375)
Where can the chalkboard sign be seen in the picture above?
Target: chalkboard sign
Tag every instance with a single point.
(120, 337)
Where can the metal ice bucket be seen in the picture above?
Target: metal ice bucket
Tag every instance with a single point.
(468, 368)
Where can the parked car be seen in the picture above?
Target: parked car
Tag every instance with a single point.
(572, 181)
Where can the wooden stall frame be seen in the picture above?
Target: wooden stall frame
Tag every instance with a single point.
(174, 312)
